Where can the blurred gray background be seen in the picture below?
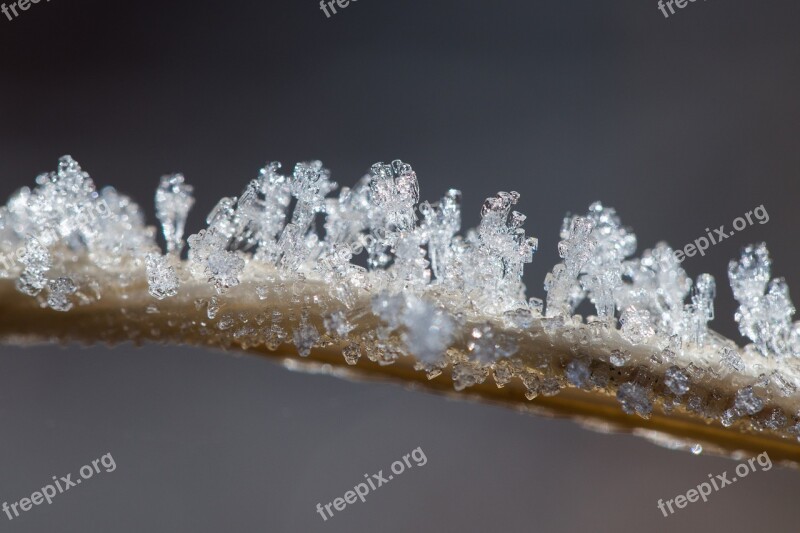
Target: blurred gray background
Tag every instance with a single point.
(681, 124)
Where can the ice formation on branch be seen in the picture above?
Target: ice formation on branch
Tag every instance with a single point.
(765, 309)
(428, 291)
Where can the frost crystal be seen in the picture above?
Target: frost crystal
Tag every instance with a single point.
(578, 373)
(564, 292)
(677, 381)
(223, 269)
(635, 398)
(701, 310)
(440, 224)
(36, 260)
(636, 327)
(747, 401)
(60, 291)
(593, 249)
(337, 325)
(173, 202)
(731, 359)
(492, 265)
(426, 331)
(385, 283)
(765, 312)
(305, 336)
(395, 192)
(619, 357)
(161, 278)
(485, 345)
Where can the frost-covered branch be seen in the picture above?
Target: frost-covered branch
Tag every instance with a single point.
(430, 305)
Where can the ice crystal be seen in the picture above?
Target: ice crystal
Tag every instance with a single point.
(701, 310)
(162, 280)
(426, 330)
(305, 336)
(747, 401)
(765, 310)
(66, 208)
(338, 325)
(593, 249)
(388, 276)
(60, 291)
(487, 345)
(731, 359)
(36, 260)
(491, 264)
(636, 326)
(223, 269)
(173, 202)
(441, 222)
(351, 353)
(564, 291)
(635, 398)
(395, 193)
(578, 373)
(677, 381)
(619, 357)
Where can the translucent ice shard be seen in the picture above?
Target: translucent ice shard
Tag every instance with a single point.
(564, 291)
(441, 222)
(173, 201)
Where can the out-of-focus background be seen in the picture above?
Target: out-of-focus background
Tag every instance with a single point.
(681, 123)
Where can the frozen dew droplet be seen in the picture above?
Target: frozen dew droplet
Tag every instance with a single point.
(697, 449)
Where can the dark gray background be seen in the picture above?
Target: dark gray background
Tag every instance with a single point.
(681, 124)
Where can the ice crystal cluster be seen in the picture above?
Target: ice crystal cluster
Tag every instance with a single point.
(382, 275)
